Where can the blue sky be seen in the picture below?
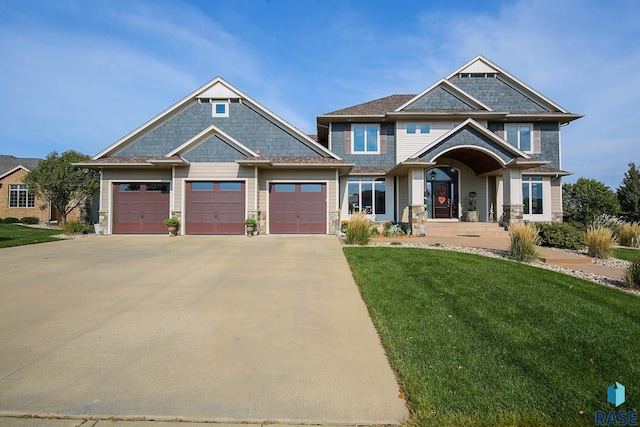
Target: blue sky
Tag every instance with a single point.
(82, 74)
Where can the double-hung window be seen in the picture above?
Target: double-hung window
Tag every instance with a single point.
(532, 195)
(19, 196)
(366, 139)
(520, 136)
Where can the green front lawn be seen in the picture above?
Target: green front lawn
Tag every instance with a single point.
(483, 341)
(628, 254)
(17, 235)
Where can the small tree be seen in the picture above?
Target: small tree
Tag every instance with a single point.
(64, 185)
(629, 194)
(587, 199)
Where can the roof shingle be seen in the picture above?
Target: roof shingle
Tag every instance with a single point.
(379, 106)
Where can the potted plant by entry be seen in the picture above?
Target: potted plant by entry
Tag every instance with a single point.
(472, 212)
(250, 223)
(172, 224)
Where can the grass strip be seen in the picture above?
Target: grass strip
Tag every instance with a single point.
(481, 341)
(18, 235)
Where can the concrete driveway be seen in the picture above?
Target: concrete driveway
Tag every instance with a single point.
(193, 328)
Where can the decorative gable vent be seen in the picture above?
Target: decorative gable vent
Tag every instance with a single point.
(485, 75)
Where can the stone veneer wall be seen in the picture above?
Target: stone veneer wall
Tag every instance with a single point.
(418, 220)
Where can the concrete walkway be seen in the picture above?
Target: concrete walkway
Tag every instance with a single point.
(195, 329)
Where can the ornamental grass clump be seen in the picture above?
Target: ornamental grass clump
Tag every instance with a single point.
(524, 238)
(632, 275)
(629, 234)
(358, 231)
(599, 241)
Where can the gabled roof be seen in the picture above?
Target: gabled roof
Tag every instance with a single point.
(482, 65)
(200, 137)
(217, 88)
(450, 88)
(10, 164)
(483, 130)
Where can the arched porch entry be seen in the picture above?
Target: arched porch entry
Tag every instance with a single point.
(442, 192)
(458, 172)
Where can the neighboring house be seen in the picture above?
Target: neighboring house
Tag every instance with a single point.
(217, 157)
(16, 200)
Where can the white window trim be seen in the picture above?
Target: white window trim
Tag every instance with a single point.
(353, 139)
(388, 207)
(216, 102)
(21, 188)
(530, 125)
(545, 216)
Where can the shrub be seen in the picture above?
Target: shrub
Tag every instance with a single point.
(10, 220)
(632, 275)
(77, 227)
(561, 235)
(359, 229)
(396, 230)
(524, 238)
(29, 220)
(629, 234)
(607, 221)
(599, 240)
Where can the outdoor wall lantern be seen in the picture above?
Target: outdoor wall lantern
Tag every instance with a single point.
(433, 175)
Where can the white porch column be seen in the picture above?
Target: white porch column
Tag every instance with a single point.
(417, 211)
(416, 187)
(512, 207)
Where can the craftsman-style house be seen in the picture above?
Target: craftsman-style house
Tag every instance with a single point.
(479, 137)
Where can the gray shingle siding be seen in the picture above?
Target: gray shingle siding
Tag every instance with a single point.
(549, 144)
(497, 94)
(468, 136)
(214, 149)
(244, 123)
(549, 141)
(439, 99)
(365, 160)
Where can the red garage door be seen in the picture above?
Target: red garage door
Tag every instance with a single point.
(298, 208)
(140, 208)
(215, 208)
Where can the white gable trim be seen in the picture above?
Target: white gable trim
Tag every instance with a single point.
(449, 86)
(200, 137)
(217, 85)
(219, 90)
(480, 62)
(477, 126)
(17, 168)
(474, 147)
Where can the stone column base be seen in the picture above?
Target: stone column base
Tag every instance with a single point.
(103, 221)
(260, 219)
(512, 214)
(334, 222)
(418, 220)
